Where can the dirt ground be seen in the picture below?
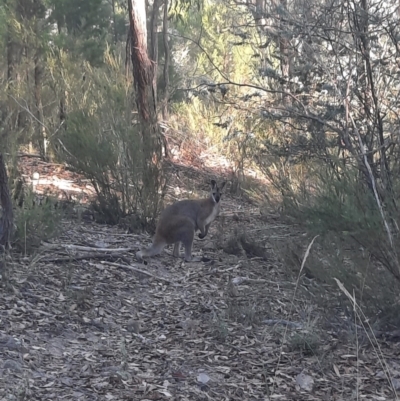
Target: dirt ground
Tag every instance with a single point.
(81, 319)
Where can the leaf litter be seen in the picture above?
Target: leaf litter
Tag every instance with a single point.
(83, 320)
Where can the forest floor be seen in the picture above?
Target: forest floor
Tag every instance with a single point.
(81, 319)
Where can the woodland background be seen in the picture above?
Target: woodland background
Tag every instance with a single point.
(297, 100)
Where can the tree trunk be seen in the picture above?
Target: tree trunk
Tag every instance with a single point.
(10, 57)
(10, 74)
(166, 62)
(284, 56)
(38, 74)
(154, 43)
(144, 70)
(6, 220)
(114, 22)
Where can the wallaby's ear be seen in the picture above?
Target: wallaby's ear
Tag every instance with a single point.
(213, 184)
(222, 185)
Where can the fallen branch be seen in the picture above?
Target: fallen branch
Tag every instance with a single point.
(240, 280)
(94, 249)
(32, 155)
(135, 270)
(92, 255)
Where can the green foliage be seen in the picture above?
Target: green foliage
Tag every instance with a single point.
(101, 142)
(307, 342)
(353, 245)
(180, 10)
(82, 26)
(343, 205)
(221, 59)
(88, 17)
(36, 220)
(341, 257)
(219, 328)
(217, 56)
(93, 152)
(120, 26)
(3, 25)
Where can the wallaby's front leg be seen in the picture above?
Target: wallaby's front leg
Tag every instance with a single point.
(203, 231)
(188, 242)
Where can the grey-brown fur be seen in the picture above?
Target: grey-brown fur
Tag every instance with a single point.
(179, 222)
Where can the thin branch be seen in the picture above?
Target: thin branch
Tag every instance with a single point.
(135, 269)
(373, 183)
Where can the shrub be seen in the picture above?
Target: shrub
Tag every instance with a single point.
(307, 342)
(36, 221)
(353, 244)
(103, 141)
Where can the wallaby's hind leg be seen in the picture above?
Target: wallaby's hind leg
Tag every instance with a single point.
(177, 248)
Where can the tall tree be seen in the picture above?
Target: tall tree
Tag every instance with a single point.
(154, 42)
(166, 62)
(144, 70)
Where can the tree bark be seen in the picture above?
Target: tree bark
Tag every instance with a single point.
(284, 56)
(166, 62)
(154, 43)
(38, 74)
(114, 22)
(10, 57)
(144, 70)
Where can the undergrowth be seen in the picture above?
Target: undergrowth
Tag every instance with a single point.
(104, 143)
(36, 220)
(352, 244)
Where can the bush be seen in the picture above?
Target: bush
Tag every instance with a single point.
(353, 244)
(36, 221)
(305, 341)
(103, 143)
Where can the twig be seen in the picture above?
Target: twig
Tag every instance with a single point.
(21, 154)
(93, 249)
(92, 255)
(65, 149)
(29, 112)
(291, 307)
(135, 269)
(372, 178)
(372, 339)
(240, 280)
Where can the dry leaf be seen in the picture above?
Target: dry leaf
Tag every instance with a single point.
(336, 369)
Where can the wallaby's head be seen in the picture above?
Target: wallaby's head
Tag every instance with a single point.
(216, 191)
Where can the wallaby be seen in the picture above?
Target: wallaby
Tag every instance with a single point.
(179, 222)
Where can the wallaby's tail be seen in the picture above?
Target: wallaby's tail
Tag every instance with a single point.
(152, 250)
